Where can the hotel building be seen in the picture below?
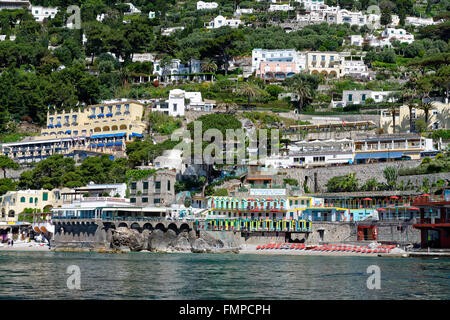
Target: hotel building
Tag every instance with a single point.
(103, 128)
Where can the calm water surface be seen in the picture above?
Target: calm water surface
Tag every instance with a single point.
(42, 275)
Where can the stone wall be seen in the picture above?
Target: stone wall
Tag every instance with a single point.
(363, 173)
(15, 174)
(342, 117)
(417, 180)
(325, 135)
(332, 232)
(401, 232)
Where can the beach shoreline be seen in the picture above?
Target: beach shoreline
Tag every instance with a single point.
(24, 246)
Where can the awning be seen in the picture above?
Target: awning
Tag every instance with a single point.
(109, 114)
(69, 131)
(110, 135)
(100, 145)
(378, 155)
(136, 135)
(109, 144)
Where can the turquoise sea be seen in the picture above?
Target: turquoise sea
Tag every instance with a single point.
(42, 275)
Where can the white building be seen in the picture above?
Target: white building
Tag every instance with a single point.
(240, 11)
(143, 57)
(419, 22)
(206, 5)
(397, 34)
(133, 9)
(280, 7)
(317, 152)
(11, 37)
(312, 17)
(180, 100)
(169, 31)
(313, 5)
(151, 14)
(374, 41)
(170, 159)
(356, 40)
(355, 68)
(221, 21)
(40, 13)
(360, 96)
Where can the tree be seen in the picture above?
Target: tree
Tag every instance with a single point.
(425, 107)
(391, 175)
(393, 110)
(442, 80)
(386, 18)
(302, 93)
(229, 106)
(7, 163)
(347, 183)
(250, 91)
(209, 66)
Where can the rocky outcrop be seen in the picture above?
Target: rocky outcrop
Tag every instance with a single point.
(124, 239)
(127, 239)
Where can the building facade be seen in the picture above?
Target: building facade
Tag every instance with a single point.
(14, 203)
(158, 189)
(438, 118)
(41, 13)
(103, 128)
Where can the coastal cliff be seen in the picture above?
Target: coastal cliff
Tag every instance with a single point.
(124, 239)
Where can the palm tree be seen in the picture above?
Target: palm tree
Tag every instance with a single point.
(229, 106)
(250, 91)
(303, 94)
(407, 97)
(425, 107)
(393, 111)
(209, 66)
(411, 105)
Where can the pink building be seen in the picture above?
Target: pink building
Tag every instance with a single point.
(276, 70)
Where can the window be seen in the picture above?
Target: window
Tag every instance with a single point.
(144, 200)
(145, 185)
(314, 58)
(155, 201)
(22, 199)
(350, 97)
(168, 185)
(133, 200)
(31, 200)
(157, 185)
(174, 107)
(127, 108)
(133, 185)
(363, 97)
(436, 125)
(45, 196)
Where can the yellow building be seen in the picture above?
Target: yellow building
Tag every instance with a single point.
(102, 128)
(325, 63)
(438, 118)
(15, 202)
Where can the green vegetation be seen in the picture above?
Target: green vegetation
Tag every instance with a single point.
(162, 123)
(441, 163)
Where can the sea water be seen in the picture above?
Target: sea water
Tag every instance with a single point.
(43, 275)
